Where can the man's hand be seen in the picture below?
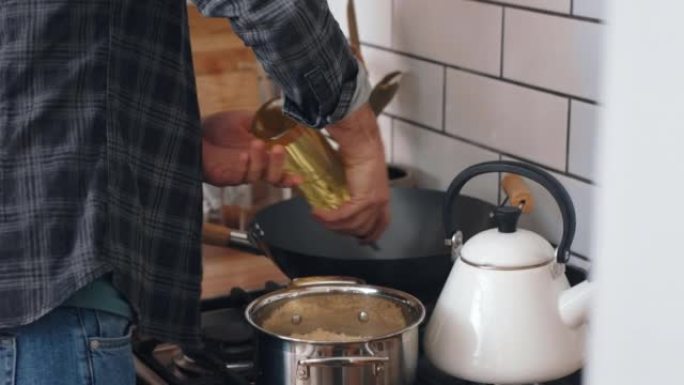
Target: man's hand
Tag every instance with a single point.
(232, 156)
(366, 215)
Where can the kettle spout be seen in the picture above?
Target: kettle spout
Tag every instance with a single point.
(573, 304)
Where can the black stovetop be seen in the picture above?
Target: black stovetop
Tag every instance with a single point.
(227, 355)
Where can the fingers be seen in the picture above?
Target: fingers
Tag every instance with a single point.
(276, 164)
(353, 219)
(289, 181)
(229, 128)
(269, 166)
(258, 162)
(366, 220)
(342, 216)
(231, 155)
(379, 228)
(223, 168)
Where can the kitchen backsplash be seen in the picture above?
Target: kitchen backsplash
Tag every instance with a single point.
(487, 80)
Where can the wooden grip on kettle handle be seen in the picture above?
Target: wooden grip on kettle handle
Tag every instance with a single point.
(518, 192)
(215, 235)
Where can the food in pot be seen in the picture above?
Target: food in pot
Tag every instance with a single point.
(335, 318)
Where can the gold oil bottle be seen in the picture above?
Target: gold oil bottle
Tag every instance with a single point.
(309, 155)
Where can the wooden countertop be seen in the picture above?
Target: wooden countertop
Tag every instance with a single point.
(225, 268)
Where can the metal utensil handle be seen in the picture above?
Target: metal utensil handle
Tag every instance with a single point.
(343, 361)
(542, 177)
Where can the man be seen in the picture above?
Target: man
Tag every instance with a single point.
(102, 157)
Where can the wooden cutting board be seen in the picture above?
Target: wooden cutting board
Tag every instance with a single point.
(225, 69)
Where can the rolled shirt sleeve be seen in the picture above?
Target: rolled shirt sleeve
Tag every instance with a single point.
(301, 46)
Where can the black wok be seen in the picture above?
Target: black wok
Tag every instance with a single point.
(411, 255)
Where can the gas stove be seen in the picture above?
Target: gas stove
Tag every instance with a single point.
(227, 355)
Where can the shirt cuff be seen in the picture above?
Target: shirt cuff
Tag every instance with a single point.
(353, 94)
(361, 93)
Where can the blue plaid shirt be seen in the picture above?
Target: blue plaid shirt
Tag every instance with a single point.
(100, 150)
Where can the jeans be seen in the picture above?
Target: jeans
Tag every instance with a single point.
(68, 346)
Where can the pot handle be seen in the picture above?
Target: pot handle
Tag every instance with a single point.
(536, 174)
(303, 366)
(378, 363)
(343, 361)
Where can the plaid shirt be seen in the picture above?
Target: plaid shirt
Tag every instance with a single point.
(100, 148)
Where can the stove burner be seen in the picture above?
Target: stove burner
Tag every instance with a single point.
(227, 357)
(227, 326)
(188, 364)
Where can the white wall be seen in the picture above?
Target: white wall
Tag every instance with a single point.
(507, 79)
(637, 322)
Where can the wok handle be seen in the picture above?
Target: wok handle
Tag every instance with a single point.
(217, 235)
(518, 192)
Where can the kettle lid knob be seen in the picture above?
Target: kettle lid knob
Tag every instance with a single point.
(506, 218)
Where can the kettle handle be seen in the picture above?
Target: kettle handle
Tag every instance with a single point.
(538, 175)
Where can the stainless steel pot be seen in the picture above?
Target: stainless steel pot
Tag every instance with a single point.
(336, 333)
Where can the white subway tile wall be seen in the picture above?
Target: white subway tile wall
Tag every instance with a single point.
(546, 217)
(514, 119)
(583, 138)
(339, 11)
(420, 96)
(437, 159)
(491, 79)
(589, 8)
(459, 32)
(552, 52)
(374, 19)
(562, 6)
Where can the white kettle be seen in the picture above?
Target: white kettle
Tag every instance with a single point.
(507, 314)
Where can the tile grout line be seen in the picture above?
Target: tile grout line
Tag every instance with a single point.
(576, 177)
(567, 137)
(542, 11)
(503, 38)
(493, 149)
(391, 23)
(580, 256)
(483, 74)
(444, 97)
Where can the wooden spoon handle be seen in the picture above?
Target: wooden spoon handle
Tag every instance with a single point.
(215, 235)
